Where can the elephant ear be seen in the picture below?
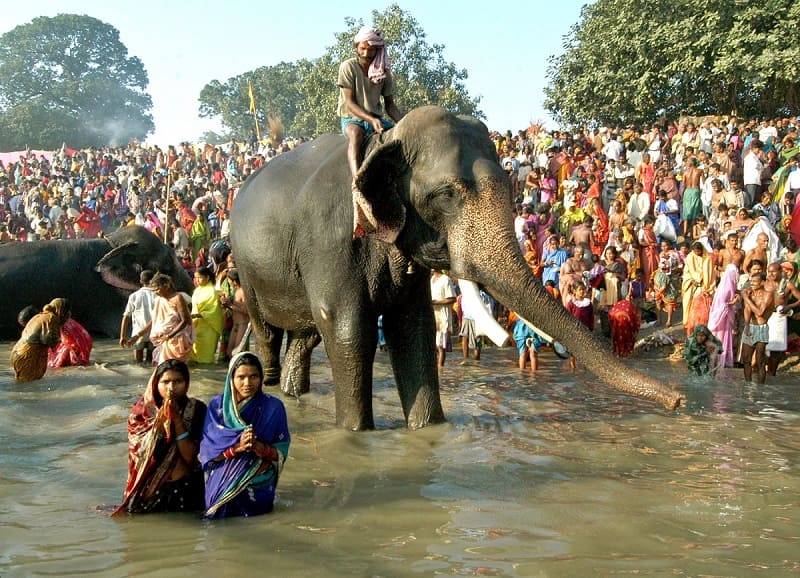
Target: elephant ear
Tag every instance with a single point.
(120, 268)
(378, 198)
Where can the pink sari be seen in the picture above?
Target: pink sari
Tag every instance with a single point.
(722, 317)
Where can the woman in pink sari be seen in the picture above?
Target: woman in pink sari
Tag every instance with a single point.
(722, 317)
(171, 329)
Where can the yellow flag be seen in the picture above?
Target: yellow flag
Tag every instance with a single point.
(252, 98)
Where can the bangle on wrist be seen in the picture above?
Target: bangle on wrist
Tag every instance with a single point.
(229, 453)
(183, 436)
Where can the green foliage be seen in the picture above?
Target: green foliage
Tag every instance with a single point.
(70, 79)
(634, 61)
(304, 94)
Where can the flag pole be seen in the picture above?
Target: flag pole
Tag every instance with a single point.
(253, 108)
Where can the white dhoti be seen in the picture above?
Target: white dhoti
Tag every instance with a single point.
(777, 332)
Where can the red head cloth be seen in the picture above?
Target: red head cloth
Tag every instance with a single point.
(380, 64)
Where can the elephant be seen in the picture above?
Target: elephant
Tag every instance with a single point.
(96, 275)
(434, 182)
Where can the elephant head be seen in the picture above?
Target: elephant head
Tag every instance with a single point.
(135, 249)
(441, 172)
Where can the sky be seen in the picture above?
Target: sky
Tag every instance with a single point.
(185, 45)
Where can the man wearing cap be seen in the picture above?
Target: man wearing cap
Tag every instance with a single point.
(363, 81)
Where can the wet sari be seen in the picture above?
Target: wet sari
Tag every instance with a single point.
(153, 455)
(165, 319)
(43, 331)
(722, 315)
(207, 327)
(245, 484)
(75, 346)
(701, 357)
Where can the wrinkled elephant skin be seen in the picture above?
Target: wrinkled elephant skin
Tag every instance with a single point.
(435, 179)
(96, 275)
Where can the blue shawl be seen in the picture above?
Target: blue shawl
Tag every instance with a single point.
(227, 480)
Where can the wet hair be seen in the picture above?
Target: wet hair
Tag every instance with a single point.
(219, 252)
(145, 277)
(165, 366)
(247, 358)
(172, 364)
(233, 275)
(755, 262)
(27, 314)
(205, 272)
(161, 280)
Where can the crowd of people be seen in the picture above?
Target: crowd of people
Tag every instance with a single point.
(698, 215)
(693, 222)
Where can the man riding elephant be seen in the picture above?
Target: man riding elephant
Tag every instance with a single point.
(434, 183)
(363, 80)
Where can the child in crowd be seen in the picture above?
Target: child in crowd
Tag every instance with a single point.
(580, 306)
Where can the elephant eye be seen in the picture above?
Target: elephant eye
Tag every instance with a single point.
(443, 199)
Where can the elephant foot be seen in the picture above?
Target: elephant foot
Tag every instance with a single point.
(272, 375)
(293, 389)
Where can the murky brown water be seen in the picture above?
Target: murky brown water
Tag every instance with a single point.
(552, 476)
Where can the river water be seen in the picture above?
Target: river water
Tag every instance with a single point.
(551, 475)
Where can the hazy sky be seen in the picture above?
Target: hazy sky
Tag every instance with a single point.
(183, 45)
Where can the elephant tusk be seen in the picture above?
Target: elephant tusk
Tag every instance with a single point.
(485, 324)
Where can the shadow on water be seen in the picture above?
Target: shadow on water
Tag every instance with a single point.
(545, 474)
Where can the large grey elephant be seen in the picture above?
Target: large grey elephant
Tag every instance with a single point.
(96, 275)
(435, 181)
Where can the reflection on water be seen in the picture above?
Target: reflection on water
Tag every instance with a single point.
(545, 475)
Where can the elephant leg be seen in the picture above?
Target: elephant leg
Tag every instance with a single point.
(296, 375)
(268, 341)
(350, 343)
(410, 335)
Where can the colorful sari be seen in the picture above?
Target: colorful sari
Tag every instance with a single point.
(43, 331)
(207, 327)
(243, 485)
(624, 320)
(722, 317)
(165, 319)
(199, 235)
(667, 280)
(648, 251)
(153, 455)
(75, 347)
(698, 358)
(698, 278)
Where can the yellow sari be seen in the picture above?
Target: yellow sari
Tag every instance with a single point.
(208, 320)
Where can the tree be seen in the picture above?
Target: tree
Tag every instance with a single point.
(639, 61)
(69, 79)
(275, 89)
(304, 94)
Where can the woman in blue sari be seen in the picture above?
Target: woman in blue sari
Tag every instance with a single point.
(245, 443)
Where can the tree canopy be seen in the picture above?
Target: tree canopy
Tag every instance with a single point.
(69, 79)
(303, 94)
(643, 60)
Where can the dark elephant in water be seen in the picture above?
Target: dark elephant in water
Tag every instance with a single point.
(96, 275)
(435, 181)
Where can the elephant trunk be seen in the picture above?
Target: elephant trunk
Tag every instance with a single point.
(499, 266)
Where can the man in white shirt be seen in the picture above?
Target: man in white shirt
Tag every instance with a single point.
(638, 205)
(753, 166)
(139, 313)
(614, 149)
